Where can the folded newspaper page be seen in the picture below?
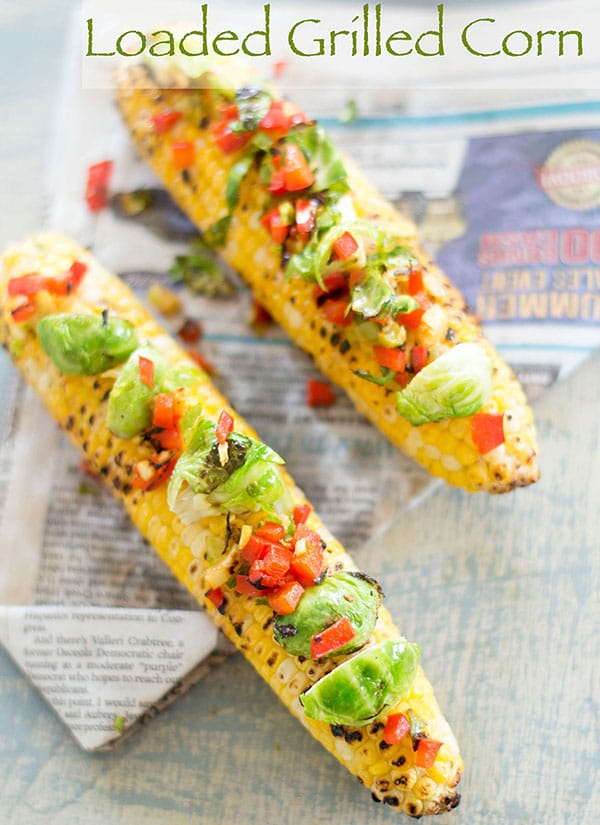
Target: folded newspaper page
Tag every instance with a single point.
(506, 193)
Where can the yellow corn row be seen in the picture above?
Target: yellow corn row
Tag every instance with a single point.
(79, 403)
(444, 448)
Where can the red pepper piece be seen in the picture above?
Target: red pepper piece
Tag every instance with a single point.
(275, 562)
(169, 439)
(415, 280)
(279, 67)
(216, 597)
(356, 276)
(277, 184)
(334, 310)
(66, 283)
(284, 599)
(270, 531)
(301, 514)
(164, 411)
(227, 140)
(164, 120)
(27, 284)
(305, 216)
(396, 728)
(297, 172)
(190, 332)
(274, 225)
(260, 315)
(98, 179)
(419, 358)
(393, 359)
(224, 427)
(183, 153)
(345, 247)
(146, 367)
(402, 379)
(334, 282)
(23, 312)
(487, 431)
(307, 561)
(254, 549)
(246, 588)
(412, 320)
(319, 394)
(427, 750)
(276, 119)
(331, 639)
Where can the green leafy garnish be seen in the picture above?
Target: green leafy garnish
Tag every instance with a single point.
(455, 385)
(201, 272)
(252, 104)
(387, 376)
(236, 176)
(248, 481)
(349, 112)
(323, 158)
(215, 236)
(374, 297)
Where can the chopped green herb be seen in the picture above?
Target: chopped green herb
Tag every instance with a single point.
(201, 272)
(349, 112)
(119, 723)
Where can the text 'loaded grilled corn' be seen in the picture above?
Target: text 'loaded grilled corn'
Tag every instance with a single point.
(221, 511)
(339, 269)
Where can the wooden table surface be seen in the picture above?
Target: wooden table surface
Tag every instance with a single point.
(502, 594)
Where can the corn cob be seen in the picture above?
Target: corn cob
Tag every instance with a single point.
(79, 404)
(446, 448)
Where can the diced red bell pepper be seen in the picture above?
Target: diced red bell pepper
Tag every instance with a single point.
(230, 111)
(415, 280)
(23, 312)
(183, 153)
(244, 587)
(301, 513)
(216, 597)
(274, 564)
(418, 358)
(427, 751)
(258, 578)
(297, 172)
(334, 310)
(279, 67)
(402, 379)
(355, 278)
(345, 247)
(412, 320)
(277, 183)
(98, 179)
(169, 439)
(65, 284)
(27, 284)
(284, 599)
(334, 282)
(254, 549)
(146, 368)
(319, 394)
(260, 315)
(227, 140)
(224, 427)
(487, 431)
(393, 359)
(274, 224)
(307, 561)
(276, 119)
(396, 728)
(270, 531)
(190, 332)
(164, 411)
(331, 639)
(164, 120)
(305, 216)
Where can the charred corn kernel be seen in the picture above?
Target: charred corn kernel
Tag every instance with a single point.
(79, 404)
(250, 250)
(164, 300)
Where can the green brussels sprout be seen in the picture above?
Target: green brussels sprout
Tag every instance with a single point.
(86, 344)
(130, 401)
(456, 384)
(350, 595)
(365, 686)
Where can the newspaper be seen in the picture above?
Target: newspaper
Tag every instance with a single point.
(81, 592)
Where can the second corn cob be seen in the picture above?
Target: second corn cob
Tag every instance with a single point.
(50, 278)
(183, 133)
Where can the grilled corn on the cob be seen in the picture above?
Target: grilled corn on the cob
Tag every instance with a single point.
(182, 132)
(34, 286)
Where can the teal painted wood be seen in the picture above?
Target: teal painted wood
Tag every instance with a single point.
(502, 594)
